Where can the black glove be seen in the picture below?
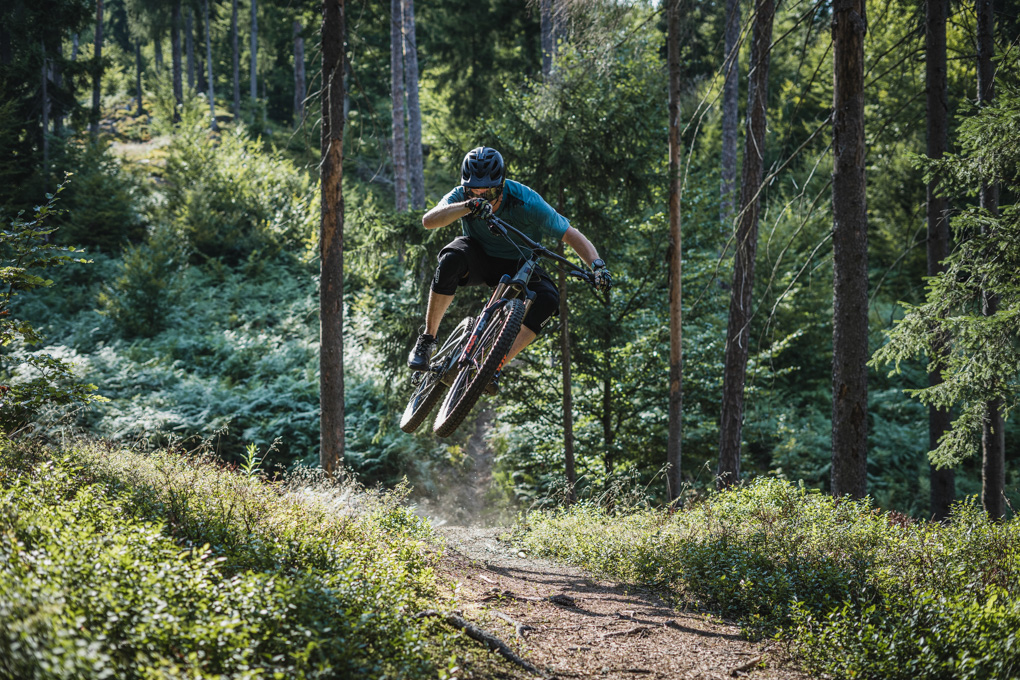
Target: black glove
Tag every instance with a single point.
(603, 280)
(480, 208)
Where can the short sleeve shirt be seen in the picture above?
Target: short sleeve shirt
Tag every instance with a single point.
(524, 209)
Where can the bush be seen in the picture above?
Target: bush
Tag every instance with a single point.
(302, 581)
(830, 573)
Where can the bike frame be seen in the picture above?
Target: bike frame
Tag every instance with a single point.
(516, 286)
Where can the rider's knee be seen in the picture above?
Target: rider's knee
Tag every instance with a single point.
(545, 306)
(453, 267)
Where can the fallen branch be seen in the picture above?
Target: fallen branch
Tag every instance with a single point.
(743, 668)
(518, 627)
(559, 599)
(629, 631)
(488, 639)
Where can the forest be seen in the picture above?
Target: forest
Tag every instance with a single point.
(174, 147)
(793, 409)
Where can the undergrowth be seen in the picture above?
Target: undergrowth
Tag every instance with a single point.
(115, 564)
(861, 593)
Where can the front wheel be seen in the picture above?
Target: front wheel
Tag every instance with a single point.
(485, 359)
(428, 390)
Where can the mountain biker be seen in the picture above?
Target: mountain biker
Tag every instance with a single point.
(480, 257)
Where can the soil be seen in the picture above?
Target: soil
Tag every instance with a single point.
(570, 624)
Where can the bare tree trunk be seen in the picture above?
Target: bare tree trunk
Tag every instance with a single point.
(175, 50)
(993, 435)
(157, 54)
(209, 64)
(397, 98)
(730, 114)
(45, 109)
(189, 46)
(943, 482)
(254, 51)
(331, 235)
(548, 44)
(138, 77)
(58, 80)
(237, 61)
(850, 254)
(97, 72)
(299, 73)
(674, 445)
(738, 332)
(415, 162)
(568, 391)
(74, 47)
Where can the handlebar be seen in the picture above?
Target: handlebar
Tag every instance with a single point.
(571, 268)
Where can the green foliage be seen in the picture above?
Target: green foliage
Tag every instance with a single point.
(229, 199)
(938, 600)
(310, 579)
(36, 379)
(974, 349)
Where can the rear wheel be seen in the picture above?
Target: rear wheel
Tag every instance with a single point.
(485, 359)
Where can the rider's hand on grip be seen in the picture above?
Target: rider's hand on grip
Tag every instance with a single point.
(480, 208)
(603, 280)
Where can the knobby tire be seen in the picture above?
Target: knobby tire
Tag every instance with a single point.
(487, 357)
(425, 397)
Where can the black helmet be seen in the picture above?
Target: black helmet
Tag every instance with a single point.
(482, 168)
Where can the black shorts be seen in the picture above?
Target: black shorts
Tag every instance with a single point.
(463, 262)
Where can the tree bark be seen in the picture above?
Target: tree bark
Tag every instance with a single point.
(730, 112)
(331, 234)
(237, 61)
(58, 80)
(45, 109)
(157, 54)
(548, 45)
(97, 72)
(138, 77)
(254, 51)
(209, 65)
(74, 47)
(415, 162)
(299, 73)
(568, 392)
(738, 331)
(175, 49)
(850, 254)
(943, 482)
(189, 46)
(674, 445)
(993, 436)
(397, 98)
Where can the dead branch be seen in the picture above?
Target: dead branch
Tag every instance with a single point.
(519, 627)
(744, 667)
(488, 639)
(629, 631)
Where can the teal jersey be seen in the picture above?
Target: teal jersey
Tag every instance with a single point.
(522, 208)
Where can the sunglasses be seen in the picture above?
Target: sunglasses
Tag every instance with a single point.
(490, 194)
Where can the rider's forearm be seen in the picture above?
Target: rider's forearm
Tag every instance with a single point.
(444, 214)
(581, 245)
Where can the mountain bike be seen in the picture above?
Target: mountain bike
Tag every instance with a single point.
(467, 361)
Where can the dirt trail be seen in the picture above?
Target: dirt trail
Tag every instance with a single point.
(571, 625)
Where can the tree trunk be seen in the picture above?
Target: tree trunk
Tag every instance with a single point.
(738, 331)
(850, 254)
(943, 482)
(415, 163)
(189, 46)
(97, 72)
(548, 45)
(45, 109)
(674, 445)
(74, 47)
(175, 50)
(331, 234)
(397, 99)
(254, 50)
(237, 61)
(299, 74)
(58, 80)
(730, 112)
(138, 77)
(993, 436)
(209, 65)
(157, 54)
(568, 393)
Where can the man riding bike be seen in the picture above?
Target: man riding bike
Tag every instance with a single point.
(479, 257)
